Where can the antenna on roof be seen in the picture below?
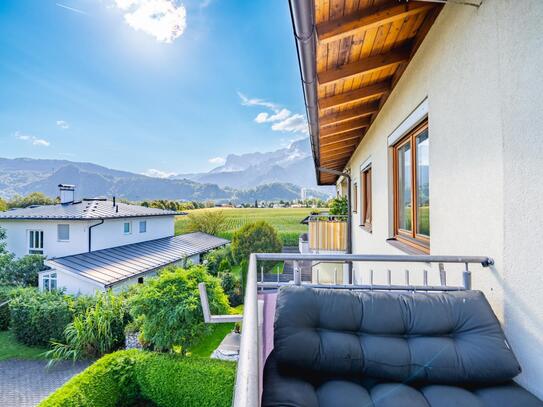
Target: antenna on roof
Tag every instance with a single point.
(117, 209)
(113, 200)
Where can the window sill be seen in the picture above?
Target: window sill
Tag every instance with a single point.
(406, 248)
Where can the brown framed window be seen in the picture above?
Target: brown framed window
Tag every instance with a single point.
(355, 197)
(365, 197)
(411, 189)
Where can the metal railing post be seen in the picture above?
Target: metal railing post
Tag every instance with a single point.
(297, 274)
(466, 275)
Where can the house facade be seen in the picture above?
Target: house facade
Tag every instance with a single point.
(444, 148)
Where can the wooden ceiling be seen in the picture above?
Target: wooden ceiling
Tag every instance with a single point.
(363, 47)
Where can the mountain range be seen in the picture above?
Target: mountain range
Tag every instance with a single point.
(268, 176)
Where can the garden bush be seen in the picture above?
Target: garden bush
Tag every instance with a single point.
(169, 306)
(339, 206)
(219, 260)
(258, 237)
(4, 310)
(96, 331)
(120, 378)
(232, 288)
(23, 271)
(39, 317)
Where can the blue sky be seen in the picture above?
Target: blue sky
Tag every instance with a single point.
(147, 84)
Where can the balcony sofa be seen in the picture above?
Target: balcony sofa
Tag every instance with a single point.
(378, 349)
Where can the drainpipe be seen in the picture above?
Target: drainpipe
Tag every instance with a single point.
(303, 25)
(90, 233)
(349, 214)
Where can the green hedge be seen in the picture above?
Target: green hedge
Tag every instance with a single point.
(122, 377)
(4, 310)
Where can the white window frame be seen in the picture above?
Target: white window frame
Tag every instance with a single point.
(31, 240)
(129, 228)
(58, 232)
(47, 281)
(144, 223)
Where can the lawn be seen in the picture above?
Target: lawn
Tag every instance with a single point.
(11, 349)
(285, 220)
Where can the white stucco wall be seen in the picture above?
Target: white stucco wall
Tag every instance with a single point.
(480, 70)
(71, 283)
(109, 234)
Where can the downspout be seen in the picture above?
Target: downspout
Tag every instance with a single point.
(90, 233)
(303, 24)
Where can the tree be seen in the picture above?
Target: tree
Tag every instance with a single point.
(169, 306)
(34, 198)
(258, 237)
(210, 221)
(3, 205)
(23, 271)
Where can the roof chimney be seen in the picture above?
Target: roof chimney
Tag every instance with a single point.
(67, 193)
(113, 200)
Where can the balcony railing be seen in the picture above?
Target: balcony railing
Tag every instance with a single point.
(252, 355)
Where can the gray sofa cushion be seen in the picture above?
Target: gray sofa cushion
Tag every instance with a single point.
(284, 387)
(442, 338)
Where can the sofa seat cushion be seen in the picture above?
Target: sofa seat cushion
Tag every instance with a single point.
(287, 388)
(433, 338)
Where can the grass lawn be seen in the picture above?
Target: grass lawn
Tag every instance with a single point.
(209, 342)
(11, 349)
(285, 220)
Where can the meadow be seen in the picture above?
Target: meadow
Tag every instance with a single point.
(285, 220)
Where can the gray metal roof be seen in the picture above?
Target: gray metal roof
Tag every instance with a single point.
(110, 266)
(86, 209)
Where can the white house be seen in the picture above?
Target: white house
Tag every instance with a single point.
(434, 113)
(78, 239)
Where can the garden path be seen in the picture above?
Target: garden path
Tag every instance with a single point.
(26, 382)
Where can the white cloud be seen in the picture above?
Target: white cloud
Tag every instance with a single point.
(163, 19)
(217, 160)
(63, 124)
(35, 141)
(152, 172)
(282, 119)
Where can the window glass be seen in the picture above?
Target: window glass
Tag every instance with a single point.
(53, 282)
(127, 227)
(63, 232)
(355, 197)
(404, 187)
(35, 242)
(423, 184)
(143, 226)
(46, 282)
(367, 197)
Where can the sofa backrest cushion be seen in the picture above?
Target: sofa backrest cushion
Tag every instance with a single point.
(449, 337)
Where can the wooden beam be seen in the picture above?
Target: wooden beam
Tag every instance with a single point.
(366, 19)
(339, 147)
(343, 150)
(360, 111)
(351, 135)
(340, 154)
(365, 66)
(337, 164)
(365, 93)
(344, 127)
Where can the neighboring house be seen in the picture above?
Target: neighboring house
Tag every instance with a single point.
(94, 244)
(122, 266)
(435, 113)
(74, 227)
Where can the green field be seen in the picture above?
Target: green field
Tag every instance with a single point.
(285, 220)
(11, 349)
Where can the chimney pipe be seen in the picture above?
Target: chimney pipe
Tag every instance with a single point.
(113, 200)
(67, 193)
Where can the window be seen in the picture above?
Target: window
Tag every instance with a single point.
(50, 282)
(355, 198)
(143, 226)
(127, 228)
(411, 189)
(35, 241)
(365, 198)
(140, 280)
(63, 233)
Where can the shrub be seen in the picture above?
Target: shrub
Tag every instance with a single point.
(338, 206)
(119, 378)
(219, 260)
(232, 288)
(39, 317)
(169, 306)
(258, 237)
(99, 330)
(23, 271)
(212, 222)
(4, 310)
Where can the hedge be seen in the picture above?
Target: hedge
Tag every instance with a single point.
(4, 310)
(120, 378)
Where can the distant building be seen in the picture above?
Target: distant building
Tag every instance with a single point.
(98, 243)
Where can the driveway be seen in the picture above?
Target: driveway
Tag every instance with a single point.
(27, 382)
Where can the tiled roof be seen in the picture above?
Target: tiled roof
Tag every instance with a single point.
(110, 266)
(85, 209)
